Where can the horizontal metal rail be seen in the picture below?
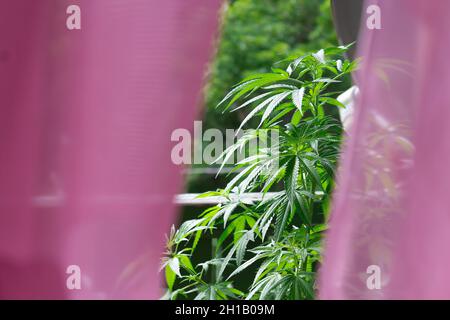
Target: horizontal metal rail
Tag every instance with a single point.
(183, 199)
(193, 198)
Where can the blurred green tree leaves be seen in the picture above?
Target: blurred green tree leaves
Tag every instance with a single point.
(254, 35)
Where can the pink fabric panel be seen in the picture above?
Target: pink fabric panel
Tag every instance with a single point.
(391, 205)
(85, 122)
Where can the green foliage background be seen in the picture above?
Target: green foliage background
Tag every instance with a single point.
(257, 33)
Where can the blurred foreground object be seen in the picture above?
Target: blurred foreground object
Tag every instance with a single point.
(389, 227)
(86, 179)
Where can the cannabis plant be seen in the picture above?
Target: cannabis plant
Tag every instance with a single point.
(276, 238)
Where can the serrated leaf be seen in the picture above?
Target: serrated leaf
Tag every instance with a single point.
(242, 246)
(269, 286)
(306, 164)
(255, 84)
(281, 220)
(233, 227)
(255, 111)
(326, 80)
(174, 264)
(170, 277)
(234, 90)
(186, 262)
(228, 211)
(333, 102)
(263, 268)
(258, 97)
(320, 56)
(297, 98)
(245, 265)
(275, 102)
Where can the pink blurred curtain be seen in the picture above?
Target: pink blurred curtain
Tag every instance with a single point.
(391, 209)
(86, 116)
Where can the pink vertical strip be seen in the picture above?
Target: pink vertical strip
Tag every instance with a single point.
(86, 177)
(391, 210)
